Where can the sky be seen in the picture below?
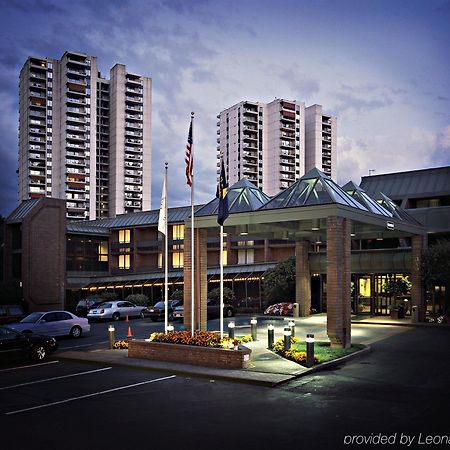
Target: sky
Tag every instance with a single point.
(381, 66)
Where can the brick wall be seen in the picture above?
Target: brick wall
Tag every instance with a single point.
(338, 281)
(44, 255)
(302, 278)
(417, 288)
(200, 279)
(187, 354)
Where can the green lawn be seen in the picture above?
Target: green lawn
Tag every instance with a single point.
(324, 352)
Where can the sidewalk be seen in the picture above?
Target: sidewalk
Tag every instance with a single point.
(267, 368)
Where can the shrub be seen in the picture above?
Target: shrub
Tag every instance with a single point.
(177, 295)
(138, 299)
(228, 294)
(120, 344)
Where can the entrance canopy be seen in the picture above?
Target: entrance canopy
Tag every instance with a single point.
(300, 212)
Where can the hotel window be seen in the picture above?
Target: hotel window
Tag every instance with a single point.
(124, 262)
(103, 251)
(246, 256)
(177, 232)
(160, 260)
(124, 236)
(177, 260)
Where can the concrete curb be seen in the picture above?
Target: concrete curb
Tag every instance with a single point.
(330, 364)
(239, 376)
(407, 324)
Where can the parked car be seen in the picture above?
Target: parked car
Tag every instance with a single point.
(116, 310)
(157, 311)
(85, 304)
(14, 344)
(11, 313)
(212, 310)
(53, 323)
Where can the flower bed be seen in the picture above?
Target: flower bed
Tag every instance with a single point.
(323, 352)
(203, 348)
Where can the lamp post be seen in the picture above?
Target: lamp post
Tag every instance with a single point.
(292, 327)
(287, 338)
(111, 330)
(270, 336)
(309, 350)
(253, 326)
(231, 330)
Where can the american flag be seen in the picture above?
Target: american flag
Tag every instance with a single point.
(189, 158)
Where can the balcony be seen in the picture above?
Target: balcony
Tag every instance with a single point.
(37, 130)
(326, 130)
(248, 118)
(137, 126)
(133, 99)
(37, 94)
(36, 139)
(37, 76)
(134, 90)
(76, 110)
(75, 119)
(133, 141)
(134, 108)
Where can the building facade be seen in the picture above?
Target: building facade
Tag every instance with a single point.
(79, 134)
(274, 144)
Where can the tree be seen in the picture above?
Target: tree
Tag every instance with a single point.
(138, 299)
(177, 295)
(228, 294)
(279, 282)
(436, 263)
(436, 267)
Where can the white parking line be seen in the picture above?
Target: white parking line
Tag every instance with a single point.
(55, 378)
(27, 367)
(82, 345)
(89, 395)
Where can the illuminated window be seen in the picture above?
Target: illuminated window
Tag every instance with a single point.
(225, 257)
(160, 260)
(103, 251)
(246, 256)
(124, 236)
(177, 260)
(124, 262)
(177, 232)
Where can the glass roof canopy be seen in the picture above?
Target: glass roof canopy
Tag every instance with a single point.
(243, 196)
(301, 211)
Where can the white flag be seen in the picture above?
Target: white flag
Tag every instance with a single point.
(162, 222)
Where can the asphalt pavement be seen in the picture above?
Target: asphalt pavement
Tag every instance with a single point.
(267, 368)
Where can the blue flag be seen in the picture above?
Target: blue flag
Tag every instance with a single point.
(222, 195)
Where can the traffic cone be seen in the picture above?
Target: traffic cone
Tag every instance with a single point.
(130, 334)
(126, 318)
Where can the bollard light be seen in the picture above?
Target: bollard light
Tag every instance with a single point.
(253, 326)
(170, 328)
(291, 325)
(309, 350)
(111, 330)
(231, 330)
(287, 338)
(270, 335)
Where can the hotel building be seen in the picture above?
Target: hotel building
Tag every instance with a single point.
(83, 138)
(274, 144)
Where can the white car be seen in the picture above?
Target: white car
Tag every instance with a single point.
(116, 310)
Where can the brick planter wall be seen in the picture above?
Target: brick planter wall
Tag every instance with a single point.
(190, 354)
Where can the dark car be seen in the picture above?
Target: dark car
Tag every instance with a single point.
(85, 304)
(14, 344)
(157, 312)
(11, 313)
(212, 310)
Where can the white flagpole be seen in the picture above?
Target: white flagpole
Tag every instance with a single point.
(166, 258)
(221, 281)
(192, 235)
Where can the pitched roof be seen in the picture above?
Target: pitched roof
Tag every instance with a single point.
(243, 196)
(361, 196)
(413, 184)
(313, 188)
(22, 210)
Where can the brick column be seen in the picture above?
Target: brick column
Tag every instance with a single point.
(200, 278)
(417, 288)
(338, 281)
(302, 278)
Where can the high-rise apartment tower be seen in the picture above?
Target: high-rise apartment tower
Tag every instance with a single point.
(273, 144)
(84, 138)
